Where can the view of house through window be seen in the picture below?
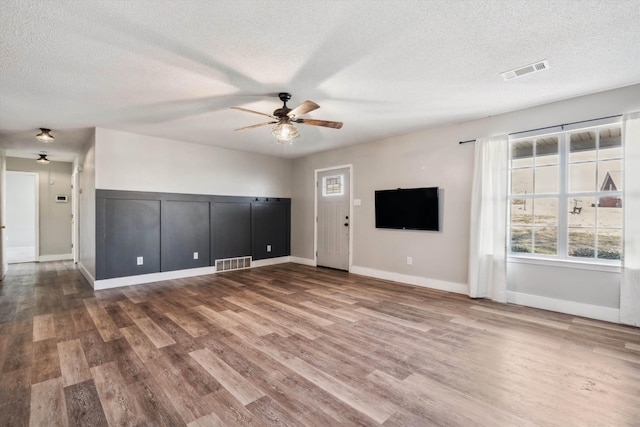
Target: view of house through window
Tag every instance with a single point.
(565, 198)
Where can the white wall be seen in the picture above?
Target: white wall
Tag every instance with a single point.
(87, 210)
(127, 161)
(433, 157)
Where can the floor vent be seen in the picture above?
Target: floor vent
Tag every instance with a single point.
(233, 263)
(527, 69)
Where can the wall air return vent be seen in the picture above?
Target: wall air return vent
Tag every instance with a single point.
(233, 264)
(527, 69)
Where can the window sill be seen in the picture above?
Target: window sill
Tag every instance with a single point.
(611, 267)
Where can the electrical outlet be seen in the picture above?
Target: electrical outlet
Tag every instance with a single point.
(268, 248)
(139, 260)
(195, 255)
(409, 260)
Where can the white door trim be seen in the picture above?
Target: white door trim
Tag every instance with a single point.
(4, 265)
(315, 211)
(75, 208)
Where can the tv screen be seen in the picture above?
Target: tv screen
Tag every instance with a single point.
(408, 209)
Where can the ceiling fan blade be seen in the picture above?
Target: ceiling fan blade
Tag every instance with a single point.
(256, 126)
(325, 123)
(254, 112)
(303, 108)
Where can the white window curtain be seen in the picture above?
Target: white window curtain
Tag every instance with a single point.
(630, 286)
(487, 243)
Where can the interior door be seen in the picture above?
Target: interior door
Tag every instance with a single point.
(21, 217)
(333, 222)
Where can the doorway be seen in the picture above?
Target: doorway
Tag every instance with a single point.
(21, 217)
(333, 217)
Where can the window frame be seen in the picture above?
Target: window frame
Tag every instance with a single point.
(564, 200)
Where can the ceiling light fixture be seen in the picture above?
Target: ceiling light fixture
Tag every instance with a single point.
(285, 117)
(285, 132)
(43, 159)
(45, 136)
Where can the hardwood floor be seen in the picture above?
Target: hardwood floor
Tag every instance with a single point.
(300, 346)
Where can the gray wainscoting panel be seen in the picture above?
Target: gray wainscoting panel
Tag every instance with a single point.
(185, 233)
(270, 224)
(131, 230)
(165, 229)
(230, 230)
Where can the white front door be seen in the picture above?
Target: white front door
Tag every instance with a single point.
(22, 217)
(333, 222)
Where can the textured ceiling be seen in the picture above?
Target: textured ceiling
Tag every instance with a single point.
(173, 68)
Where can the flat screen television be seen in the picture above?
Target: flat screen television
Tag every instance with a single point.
(408, 209)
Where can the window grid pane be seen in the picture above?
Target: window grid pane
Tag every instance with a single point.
(589, 201)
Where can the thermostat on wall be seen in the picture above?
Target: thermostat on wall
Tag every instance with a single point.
(61, 199)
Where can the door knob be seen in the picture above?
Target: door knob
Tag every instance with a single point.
(346, 224)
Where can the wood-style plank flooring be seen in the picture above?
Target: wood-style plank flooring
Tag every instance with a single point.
(300, 346)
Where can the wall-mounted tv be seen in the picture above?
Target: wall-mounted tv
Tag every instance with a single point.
(408, 209)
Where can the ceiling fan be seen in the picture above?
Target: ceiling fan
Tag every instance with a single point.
(284, 117)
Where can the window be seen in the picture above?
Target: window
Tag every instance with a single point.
(565, 195)
(332, 185)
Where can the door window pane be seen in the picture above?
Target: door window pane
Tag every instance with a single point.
(332, 186)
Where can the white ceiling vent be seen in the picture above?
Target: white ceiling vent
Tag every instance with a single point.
(527, 69)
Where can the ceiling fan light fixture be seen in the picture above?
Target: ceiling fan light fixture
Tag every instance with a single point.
(45, 136)
(43, 159)
(285, 132)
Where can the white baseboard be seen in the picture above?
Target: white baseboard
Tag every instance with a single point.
(151, 277)
(56, 257)
(607, 314)
(304, 261)
(87, 275)
(270, 261)
(459, 288)
(176, 274)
